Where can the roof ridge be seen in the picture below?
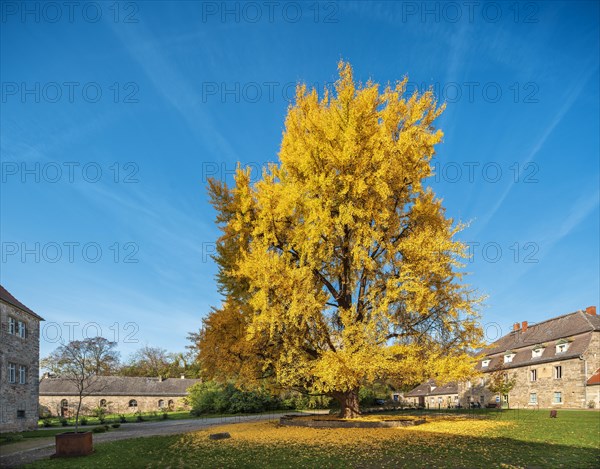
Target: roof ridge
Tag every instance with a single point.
(554, 319)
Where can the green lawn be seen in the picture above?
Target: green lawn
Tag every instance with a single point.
(508, 439)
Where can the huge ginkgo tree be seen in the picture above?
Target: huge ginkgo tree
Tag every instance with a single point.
(339, 267)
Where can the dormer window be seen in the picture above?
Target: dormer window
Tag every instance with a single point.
(485, 363)
(562, 346)
(508, 357)
(537, 351)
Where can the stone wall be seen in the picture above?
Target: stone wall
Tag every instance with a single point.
(20, 351)
(592, 360)
(114, 404)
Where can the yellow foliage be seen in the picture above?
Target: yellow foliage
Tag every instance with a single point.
(272, 434)
(342, 262)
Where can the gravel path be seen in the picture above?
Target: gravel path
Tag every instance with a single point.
(19, 454)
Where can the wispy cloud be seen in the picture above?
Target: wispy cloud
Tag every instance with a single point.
(173, 86)
(568, 101)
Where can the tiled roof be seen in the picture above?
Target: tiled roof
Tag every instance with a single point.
(8, 298)
(594, 379)
(425, 389)
(523, 356)
(576, 328)
(119, 386)
(552, 329)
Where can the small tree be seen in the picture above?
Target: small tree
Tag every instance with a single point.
(501, 383)
(77, 362)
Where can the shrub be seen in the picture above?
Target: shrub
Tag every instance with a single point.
(107, 427)
(64, 422)
(83, 421)
(122, 418)
(165, 416)
(12, 437)
(139, 417)
(46, 422)
(591, 404)
(99, 430)
(116, 425)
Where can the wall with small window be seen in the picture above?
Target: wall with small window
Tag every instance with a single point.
(19, 368)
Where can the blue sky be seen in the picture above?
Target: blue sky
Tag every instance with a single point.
(113, 117)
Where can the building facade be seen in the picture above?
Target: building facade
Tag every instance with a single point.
(553, 364)
(115, 394)
(19, 364)
(432, 395)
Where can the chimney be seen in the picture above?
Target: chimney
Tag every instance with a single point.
(591, 310)
(516, 326)
(524, 326)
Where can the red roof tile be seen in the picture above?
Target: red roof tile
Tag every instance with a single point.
(594, 379)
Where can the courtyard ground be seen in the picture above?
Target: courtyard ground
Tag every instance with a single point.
(508, 439)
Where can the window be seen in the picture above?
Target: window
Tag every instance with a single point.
(171, 404)
(533, 375)
(12, 325)
(481, 399)
(557, 398)
(537, 352)
(161, 403)
(481, 381)
(132, 403)
(533, 398)
(102, 402)
(562, 346)
(12, 373)
(508, 358)
(21, 330)
(468, 384)
(22, 374)
(485, 363)
(396, 397)
(558, 372)
(20, 414)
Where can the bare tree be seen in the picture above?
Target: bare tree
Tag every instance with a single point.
(78, 362)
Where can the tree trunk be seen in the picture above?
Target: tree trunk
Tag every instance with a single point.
(349, 404)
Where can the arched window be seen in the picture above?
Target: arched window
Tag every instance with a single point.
(64, 408)
(132, 403)
(102, 402)
(171, 404)
(161, 403)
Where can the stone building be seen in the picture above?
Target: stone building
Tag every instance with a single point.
(432, 395)
(116, 394)
(19, 364)
(554, 364)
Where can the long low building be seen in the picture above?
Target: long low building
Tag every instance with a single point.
(116, 394)
(555, 364)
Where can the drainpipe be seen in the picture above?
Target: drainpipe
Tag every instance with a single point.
(585, 373)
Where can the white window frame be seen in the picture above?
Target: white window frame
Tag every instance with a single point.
(22, 374)
(12, 325)
(508, 358)
(533, 398)
(533, 375)
(559, 395)
(485, 363)
(21, 329)
(558, 372)
(12, 373)
(562, 347)
(537, 352)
